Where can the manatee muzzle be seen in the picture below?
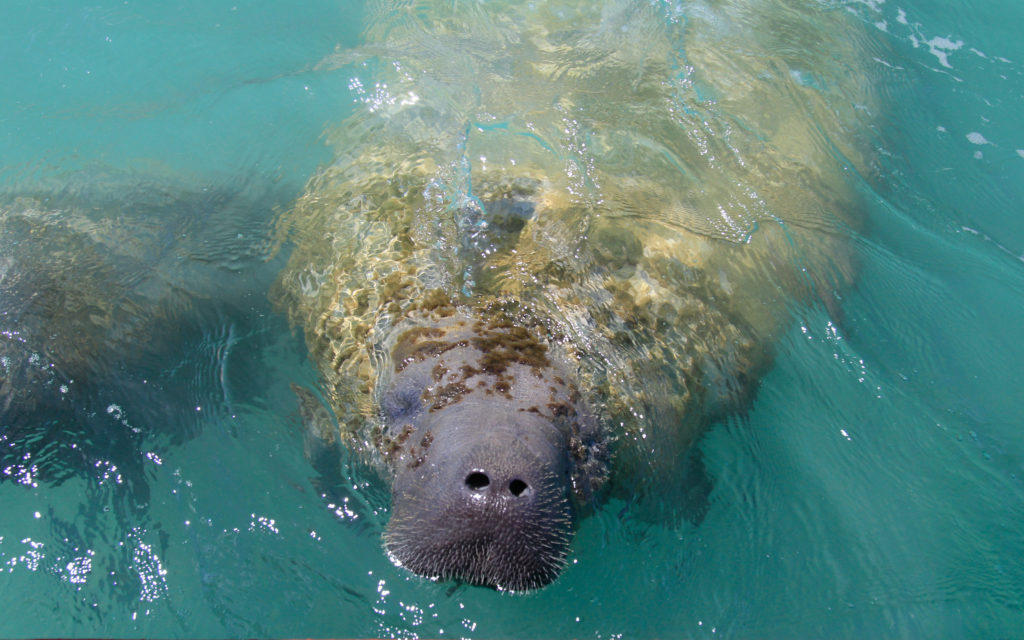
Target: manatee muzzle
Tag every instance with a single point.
(498, 516)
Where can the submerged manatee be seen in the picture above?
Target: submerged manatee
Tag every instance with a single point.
(104, 275)
(555, 232)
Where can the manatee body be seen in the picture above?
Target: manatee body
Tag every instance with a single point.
(101, 276)
(66, 312)
(543, 261)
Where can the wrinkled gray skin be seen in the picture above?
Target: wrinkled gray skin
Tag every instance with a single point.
(488, 440)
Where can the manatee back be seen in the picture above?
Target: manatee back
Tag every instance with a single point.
(661, 212)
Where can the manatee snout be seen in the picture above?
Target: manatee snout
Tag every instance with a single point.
(491, 450)
(485, 509)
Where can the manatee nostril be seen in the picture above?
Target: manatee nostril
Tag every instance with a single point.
(518, 487)
(477, 480)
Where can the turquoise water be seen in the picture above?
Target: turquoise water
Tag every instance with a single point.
(874, 488)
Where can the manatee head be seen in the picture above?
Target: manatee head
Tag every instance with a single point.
(491, 448)
(487, 501)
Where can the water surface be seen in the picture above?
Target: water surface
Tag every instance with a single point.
(159, 487)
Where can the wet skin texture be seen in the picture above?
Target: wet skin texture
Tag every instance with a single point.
(491, 447)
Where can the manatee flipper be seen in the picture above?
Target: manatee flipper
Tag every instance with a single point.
(319, 434)
(674, 492)
(326, 453)
(697, 485)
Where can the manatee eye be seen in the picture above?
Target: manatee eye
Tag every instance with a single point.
(518, 487)
(477, 480)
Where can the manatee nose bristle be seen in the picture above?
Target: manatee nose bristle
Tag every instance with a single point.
(505, 528)
(496, 515)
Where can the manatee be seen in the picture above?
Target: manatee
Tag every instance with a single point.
(553, 248)
(103, 276)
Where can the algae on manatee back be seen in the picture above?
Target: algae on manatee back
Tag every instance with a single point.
(653, 215)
